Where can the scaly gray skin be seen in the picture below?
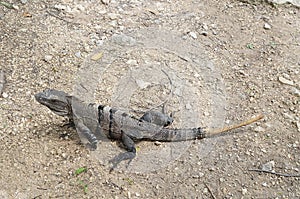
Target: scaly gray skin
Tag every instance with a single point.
(95, 122)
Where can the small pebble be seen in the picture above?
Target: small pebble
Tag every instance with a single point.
(288, 116)
(204, 33)
(131, 62)
(99, 42)
(15, 7)
(264, 184)
(196, 75)
(205, 113)
(263, 150)
(60, 7)
(193, 35)
(268, 166)
(188, 106)
(2, 80)
(128, 194)
(285, 81)
(267, 26)
(298, 125)
(211, 169)
(205, 26)
(214, 32)
(244, 191)
(4, 95)
(78, 54)
(142, 84)
(259, 129)
(295, 92)
(47, 58)
(112, 16)
(64, 155)
(80, 7)
(105, 1)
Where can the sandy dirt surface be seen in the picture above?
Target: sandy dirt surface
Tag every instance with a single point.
(252, 50)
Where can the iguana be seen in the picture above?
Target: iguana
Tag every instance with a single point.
(95, 122)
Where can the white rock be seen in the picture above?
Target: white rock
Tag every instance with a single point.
(188, 106)
(157, 143)
(99, 42)
(294, 2)
(48, 57)
(142, 84)
(64, 155)
(288, 116)
(205, 26)
(78, 54)
(4, 95)
(128, 194)
(131, 62)
(268, 166)
(267, 26)
(259, 129)
(205, 113)
(160, 6)
(60, 7)
(113, 23)
(137, 194)
(15, 7)
(112, 16)
(295, 91)
(263, 150)
(178, 92)
(105, 1)
(80, 7)
(196, 75)
(298, 125)
(193, 35)
(285, 81)
(244, 191)
(204, 33)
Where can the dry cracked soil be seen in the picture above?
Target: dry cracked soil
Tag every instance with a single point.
(245, 61)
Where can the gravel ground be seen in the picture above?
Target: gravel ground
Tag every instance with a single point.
(254, 48)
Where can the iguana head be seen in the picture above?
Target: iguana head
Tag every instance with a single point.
(57, 101)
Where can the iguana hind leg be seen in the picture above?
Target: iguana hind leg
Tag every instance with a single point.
(157, 118)
(129, 155)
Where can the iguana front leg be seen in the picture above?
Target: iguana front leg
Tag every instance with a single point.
(129, 155)
(86, 134)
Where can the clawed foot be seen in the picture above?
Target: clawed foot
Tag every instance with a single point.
(119, 158)
(70, 124)
(92, 146)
